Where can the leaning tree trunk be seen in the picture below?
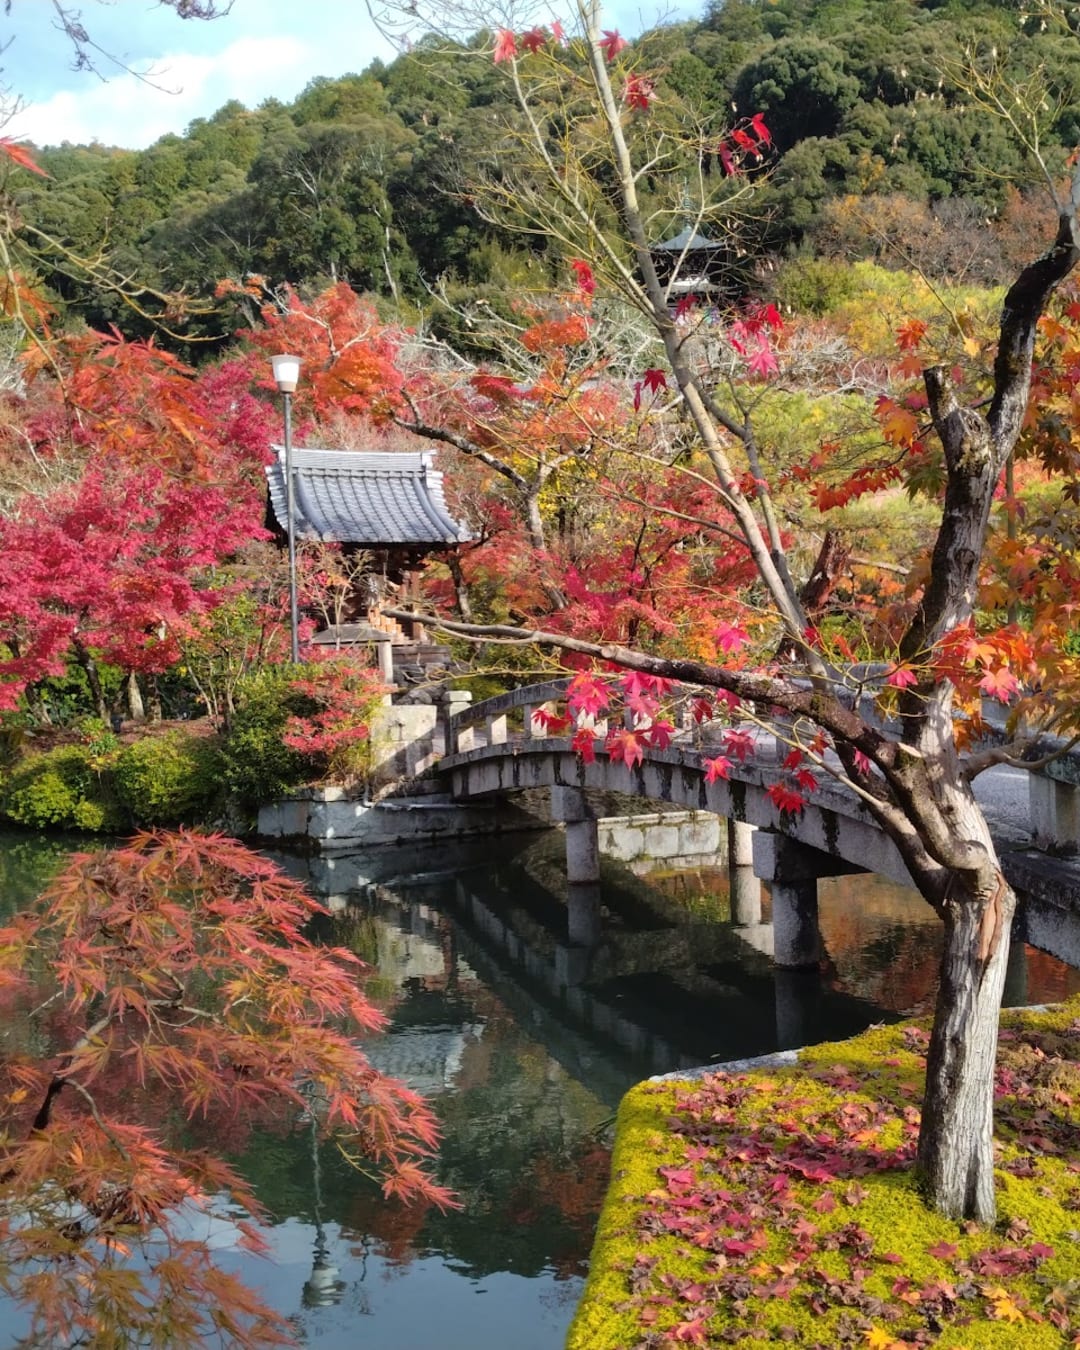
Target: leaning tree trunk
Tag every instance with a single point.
(93, 679)
(956, 1147)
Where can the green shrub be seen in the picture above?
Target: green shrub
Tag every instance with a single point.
(814, 285)
(169, 780)
(257, 766)
(60, 789)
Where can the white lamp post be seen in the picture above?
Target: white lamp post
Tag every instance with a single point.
(286, 375)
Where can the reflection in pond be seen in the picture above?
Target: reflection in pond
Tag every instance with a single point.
(524, 1011)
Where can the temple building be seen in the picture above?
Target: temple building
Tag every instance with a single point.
(391, 508)
(692, 266)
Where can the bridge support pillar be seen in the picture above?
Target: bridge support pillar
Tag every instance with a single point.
(568, 805)
(740, 843)
(745, 891)
(745, 888)
(583, 914)
(792, 870)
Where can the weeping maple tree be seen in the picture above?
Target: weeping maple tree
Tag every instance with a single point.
(596, 130)
(161, 1001)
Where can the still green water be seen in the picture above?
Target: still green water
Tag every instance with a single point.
(525, 1045)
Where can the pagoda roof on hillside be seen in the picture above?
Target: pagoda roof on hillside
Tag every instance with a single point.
(688, 241)
(362, 497)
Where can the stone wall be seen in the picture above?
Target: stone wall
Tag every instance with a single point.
(641, 841)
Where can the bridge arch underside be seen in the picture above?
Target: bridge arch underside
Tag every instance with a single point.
(843, 835)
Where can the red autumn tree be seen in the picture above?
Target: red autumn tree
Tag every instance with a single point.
(162, 998)
(106, 568)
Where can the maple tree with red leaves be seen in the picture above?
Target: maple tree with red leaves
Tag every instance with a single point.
(106, 570)
(170, 980)
(948, 441)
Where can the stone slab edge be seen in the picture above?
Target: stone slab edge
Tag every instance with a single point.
(779, 1059)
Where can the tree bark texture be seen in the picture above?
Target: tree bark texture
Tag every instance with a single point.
(956, 1153)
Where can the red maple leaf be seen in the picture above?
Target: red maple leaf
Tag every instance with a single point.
(787, 799)
(587, 694)
(534, 39)
(505, 45)
(623, 746)
(720, 767)
(695, 1332)
(638, 92)
(726, 158)
(763, 362)
(901, 678)
(1000, 684)
(584, 273)
(760, 130)
(557, 31)
(611, 44)
(739, 743)
(744, 141)
(659, 735)
(654, 379)
(18, 154)
(584, 744)
(730, 637)
(549, 721)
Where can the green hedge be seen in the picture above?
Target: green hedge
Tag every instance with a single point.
(169, 780)
(256, 766)
(161, 780)
(60, 789)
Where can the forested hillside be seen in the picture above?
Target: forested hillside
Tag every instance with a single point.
(366, 179)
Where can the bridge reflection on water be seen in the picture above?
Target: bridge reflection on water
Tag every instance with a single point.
(674, 970)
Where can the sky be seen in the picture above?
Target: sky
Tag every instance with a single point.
(260, 49)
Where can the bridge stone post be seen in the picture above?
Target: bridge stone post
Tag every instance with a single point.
(569, 806)
(790, 869)
(745, 887)
(583, 914)
(1055, 812)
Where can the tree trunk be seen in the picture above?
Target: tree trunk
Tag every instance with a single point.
(956, 1150)
(461, 589)
(134, 697)
(93, 679)
(155, 699)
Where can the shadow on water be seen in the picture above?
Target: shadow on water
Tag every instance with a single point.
(524, 1010)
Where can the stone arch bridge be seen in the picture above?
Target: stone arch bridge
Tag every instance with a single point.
(500, 746)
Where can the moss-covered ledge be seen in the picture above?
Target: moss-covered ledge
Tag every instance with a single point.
(776, 1206)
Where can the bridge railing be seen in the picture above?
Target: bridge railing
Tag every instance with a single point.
(534, 712)
(490, 722)
(542, 712)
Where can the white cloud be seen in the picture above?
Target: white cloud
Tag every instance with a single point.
(128, 111)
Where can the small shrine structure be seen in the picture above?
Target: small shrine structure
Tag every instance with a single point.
(389, 505)
(691, 265)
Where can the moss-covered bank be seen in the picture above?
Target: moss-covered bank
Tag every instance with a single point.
(777, 1207)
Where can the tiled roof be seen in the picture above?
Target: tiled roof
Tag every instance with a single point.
(687, 239)
(354, 497)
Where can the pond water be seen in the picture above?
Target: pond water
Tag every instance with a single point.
(525, 1045)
